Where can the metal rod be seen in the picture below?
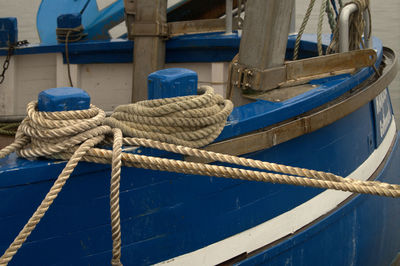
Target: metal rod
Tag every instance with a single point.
(344, 26)
(367, 33)
(228, 19)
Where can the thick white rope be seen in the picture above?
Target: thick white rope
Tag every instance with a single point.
(192, 121)
(302, 28)
(114, 197)
(51, 134)
(319, 28)
(48, 200)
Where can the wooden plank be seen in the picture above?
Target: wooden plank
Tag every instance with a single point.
(198, 26)
(149, 51)
(265, 32)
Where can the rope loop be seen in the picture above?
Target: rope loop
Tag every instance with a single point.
(192, 121)
(54, 132)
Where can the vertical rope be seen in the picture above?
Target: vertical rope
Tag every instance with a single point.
(67, 58)
(302, 28)
(331, 17)
(319, 30)
(114, 197)
(48, 200)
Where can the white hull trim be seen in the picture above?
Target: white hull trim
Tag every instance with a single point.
(286, 223)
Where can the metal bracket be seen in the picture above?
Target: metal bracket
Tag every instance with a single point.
(308, 122)
(198, 26)
(178, 28)
(143, 29)
(300, 71)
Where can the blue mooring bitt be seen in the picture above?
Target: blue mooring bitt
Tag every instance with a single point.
(172, 82)
(8, 31)
(69, 20)
(63, 99)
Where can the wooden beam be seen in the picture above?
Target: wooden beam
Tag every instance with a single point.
(265, 33)
(150, 19)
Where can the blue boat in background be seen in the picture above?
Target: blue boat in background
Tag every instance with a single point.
(331, 113)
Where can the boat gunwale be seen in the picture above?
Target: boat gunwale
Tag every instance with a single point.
(311, 121)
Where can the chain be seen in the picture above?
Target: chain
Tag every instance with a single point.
(6, 63)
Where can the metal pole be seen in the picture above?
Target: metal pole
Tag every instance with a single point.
(344, 26)
(228, 18)
(368, 42)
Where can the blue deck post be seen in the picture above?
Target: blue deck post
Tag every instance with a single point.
(69, 20)
(172, 82)
(8, 31)
(63, 99)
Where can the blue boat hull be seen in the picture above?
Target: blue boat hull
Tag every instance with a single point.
(168, 215)
(186, 219)
(362, 231)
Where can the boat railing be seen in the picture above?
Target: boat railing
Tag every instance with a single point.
(344, 21)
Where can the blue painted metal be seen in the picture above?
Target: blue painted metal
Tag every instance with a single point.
(95, 22)
(172, 82)
(105, 20)
(63, 99)
(205, 47)
(69, 20)
(8, 31)
(212, 48)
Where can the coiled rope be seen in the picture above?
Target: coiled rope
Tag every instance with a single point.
(192, 121)
(73, 135)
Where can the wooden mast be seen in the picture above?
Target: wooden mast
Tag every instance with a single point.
(147, 26)
(265, 34)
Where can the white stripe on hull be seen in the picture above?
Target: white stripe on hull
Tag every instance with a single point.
(286, 223)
